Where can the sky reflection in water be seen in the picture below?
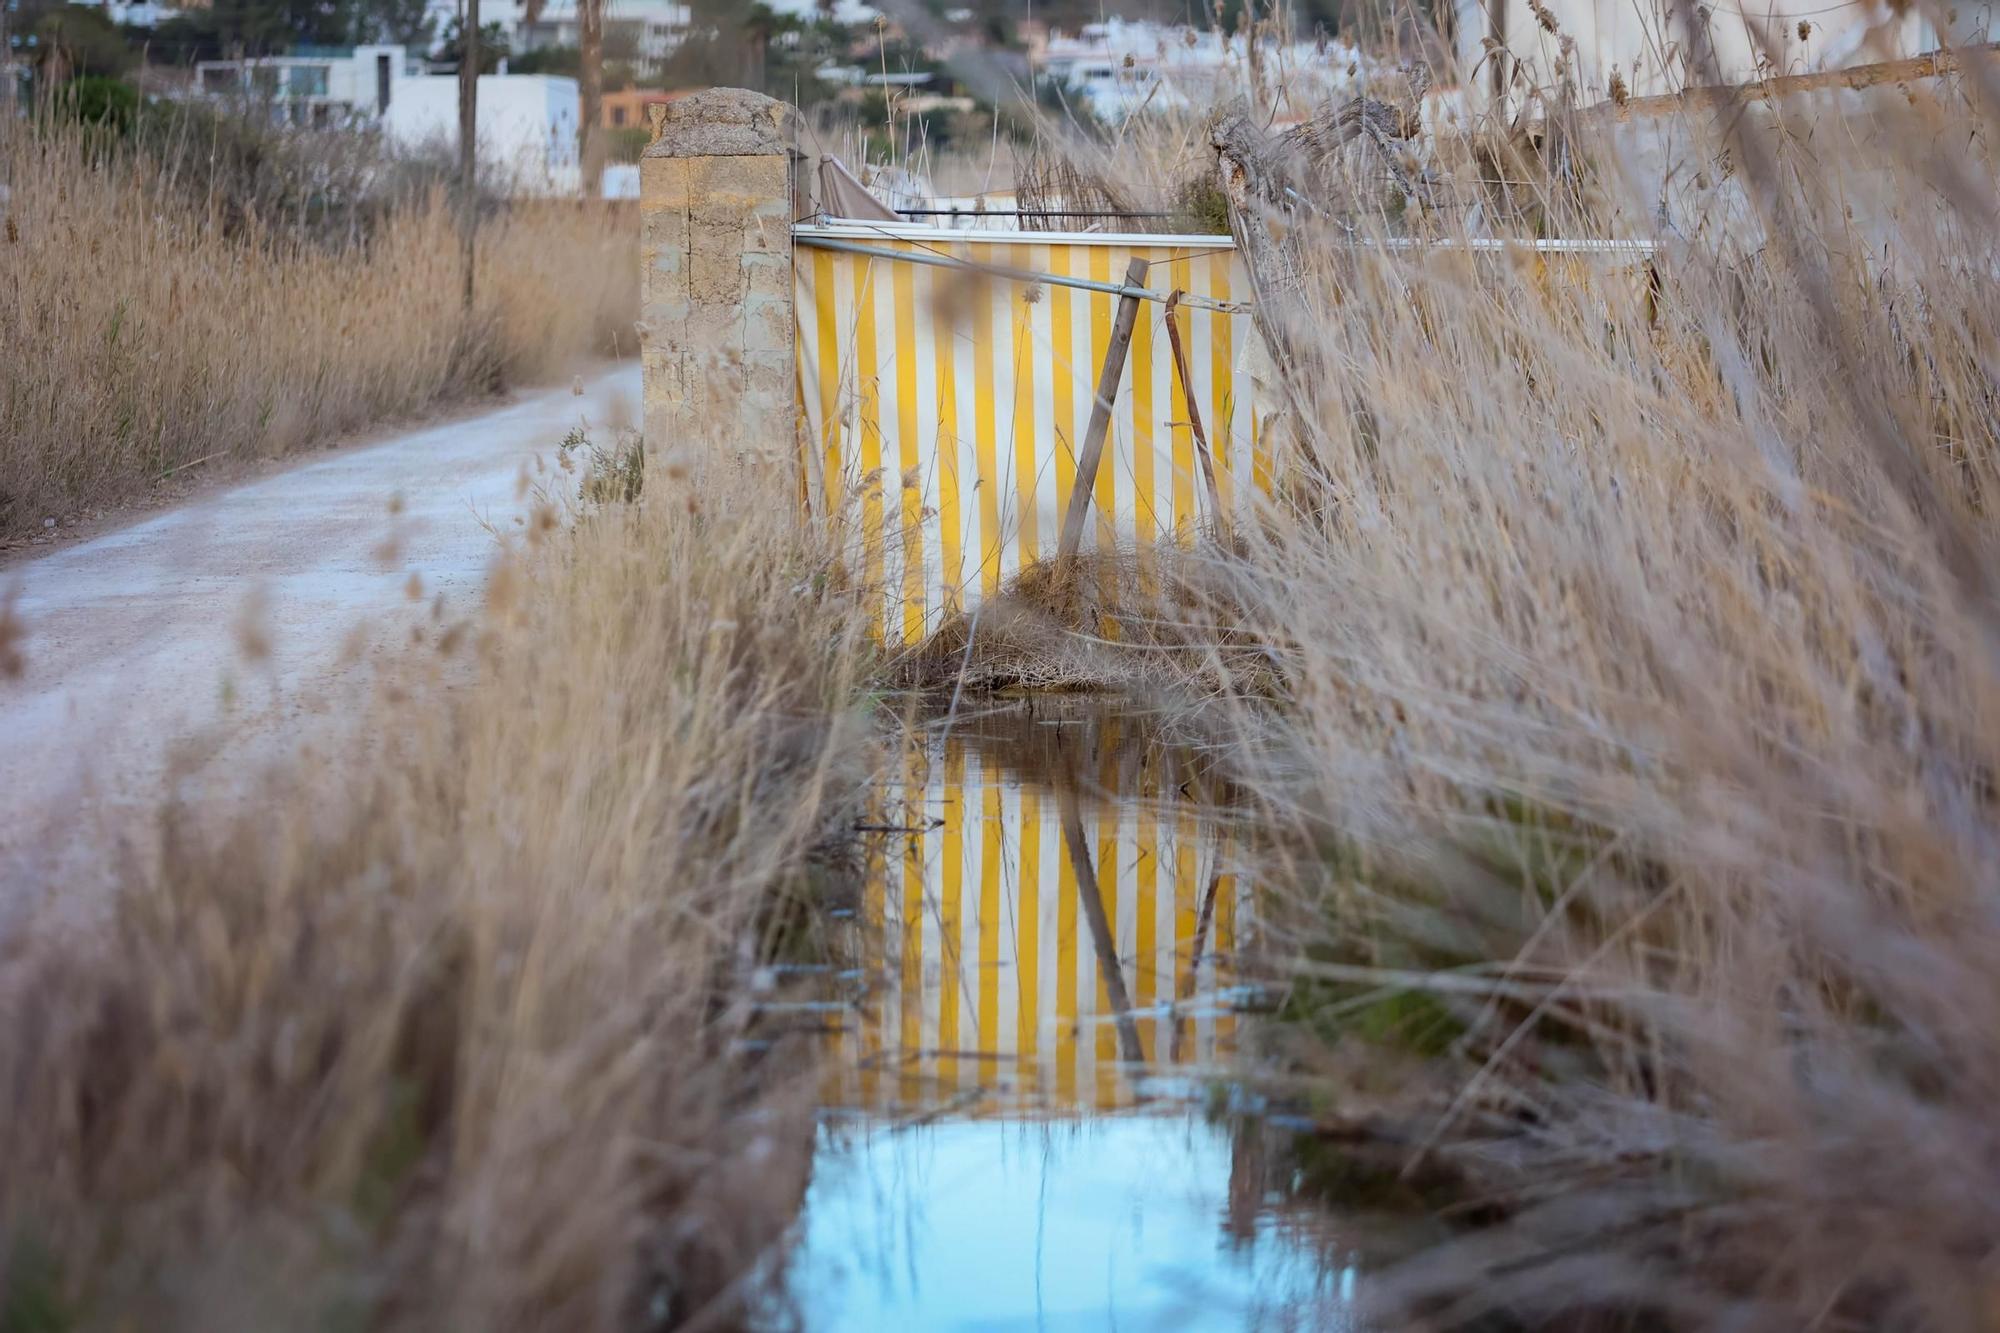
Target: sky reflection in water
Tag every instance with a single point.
(1046, 937)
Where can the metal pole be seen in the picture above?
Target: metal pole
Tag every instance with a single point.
(805, 236)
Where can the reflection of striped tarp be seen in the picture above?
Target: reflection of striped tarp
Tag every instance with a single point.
(956, 404)
(992, 973)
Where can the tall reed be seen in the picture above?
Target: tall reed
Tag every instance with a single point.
(1628, 661)
(457, 1026)
(147, 330)
(1641, 668)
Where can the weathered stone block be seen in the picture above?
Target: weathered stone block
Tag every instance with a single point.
(719, 326)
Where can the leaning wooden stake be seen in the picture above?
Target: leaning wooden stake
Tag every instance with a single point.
(1087, 894)
(1100, 422)
(1194, 418)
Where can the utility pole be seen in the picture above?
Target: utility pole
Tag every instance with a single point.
(590, 44)
(468, 139)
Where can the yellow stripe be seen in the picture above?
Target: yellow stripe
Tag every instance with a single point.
(1187, 905)
(1066, 911)
(1100, 342)
(1025, 444)
(990, 925)
(1183, 433)
(1028, 992)
(951, 916)
(951, 538)
(1145, 521)
(1225, 946)
(1062, 367)
(1222, 378)
(827, 324)
(1107, 893)
(903, 292)
(875, 920)
(1146, 988)
(984, 434)
(911, 1036)
(866, 372)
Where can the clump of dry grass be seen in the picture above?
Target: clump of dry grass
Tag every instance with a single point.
(1637, 663)
(1640, 669)
(144, 337)
(1154, 622)
(450, 1030)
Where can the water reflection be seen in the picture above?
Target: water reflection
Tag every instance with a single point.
(1047, 944)
(1041, 938)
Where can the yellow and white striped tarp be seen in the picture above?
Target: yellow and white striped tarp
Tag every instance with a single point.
(947, 409)
(996, 973)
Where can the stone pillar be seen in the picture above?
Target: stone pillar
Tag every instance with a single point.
(716, 327)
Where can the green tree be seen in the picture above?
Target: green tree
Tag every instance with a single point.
(547, 60)
(492, 46)
(405, 21)
(100, 102)
(71, 40)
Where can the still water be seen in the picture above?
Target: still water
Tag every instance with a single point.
(1019, 1122)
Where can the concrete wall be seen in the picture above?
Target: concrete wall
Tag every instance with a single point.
(1646, 41)
(527, 126)
(717, 328)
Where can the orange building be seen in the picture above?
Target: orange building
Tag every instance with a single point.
(626, 109)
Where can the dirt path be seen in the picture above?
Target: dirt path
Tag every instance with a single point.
(136, 641)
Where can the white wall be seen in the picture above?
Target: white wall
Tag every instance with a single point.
(527, 126)
(353, 80)
(1646, 42)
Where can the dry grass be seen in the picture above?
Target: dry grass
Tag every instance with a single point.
(1642, 671)
(143, 336)
(1637, 673)
(1639, 669)
(449, 1031)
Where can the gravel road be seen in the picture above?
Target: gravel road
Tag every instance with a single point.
(241, 620)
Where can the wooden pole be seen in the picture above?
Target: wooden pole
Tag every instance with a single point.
(468, 139)
(1194, 415)
(1100, 419)
(590, 106)
(1854, 77)
(1087, 894)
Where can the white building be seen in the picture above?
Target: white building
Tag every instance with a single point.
(1121, 66)
(847, 13)
(316, 86)
(132, 13)
(651, 29)
(527, 127)
(1643, 42)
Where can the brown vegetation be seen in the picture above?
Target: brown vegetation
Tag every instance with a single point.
(151, 326)
(1639, 640)
(451, 1030)
(1631, 901)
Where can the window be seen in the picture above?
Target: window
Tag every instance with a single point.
(307, 81)
(618, 117)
